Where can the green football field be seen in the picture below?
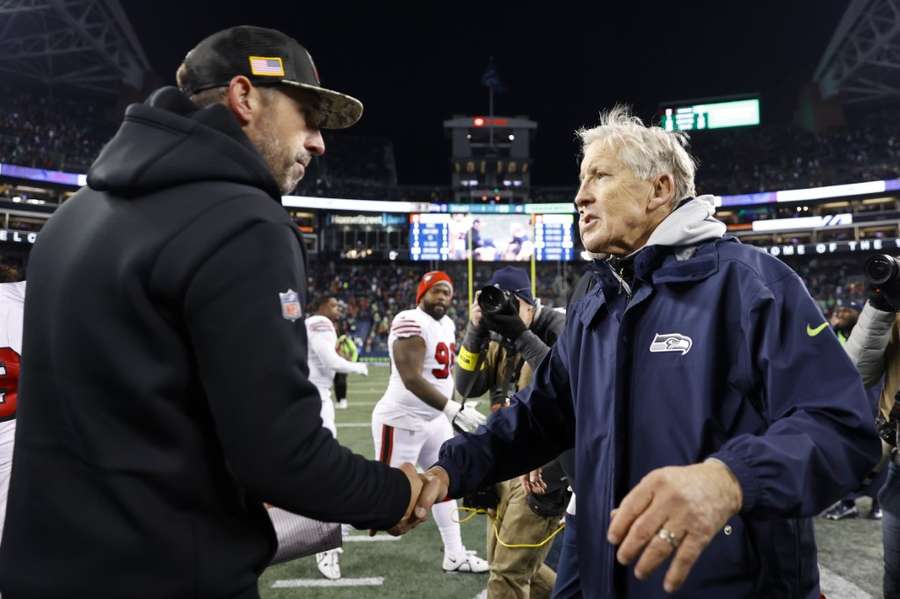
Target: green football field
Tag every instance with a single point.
(398, 569)
(850, 554)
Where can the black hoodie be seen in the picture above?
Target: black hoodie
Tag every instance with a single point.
(164, 389)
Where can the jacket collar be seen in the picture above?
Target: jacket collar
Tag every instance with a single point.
(663, 265)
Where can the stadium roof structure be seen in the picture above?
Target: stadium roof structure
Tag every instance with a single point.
(84, 43)
(862, 60)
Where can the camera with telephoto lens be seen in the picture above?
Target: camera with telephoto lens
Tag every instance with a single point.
(494, 300)
(883, 274)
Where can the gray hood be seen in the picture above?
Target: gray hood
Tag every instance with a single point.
(689, 224)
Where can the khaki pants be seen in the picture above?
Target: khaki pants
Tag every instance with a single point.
(518, 573)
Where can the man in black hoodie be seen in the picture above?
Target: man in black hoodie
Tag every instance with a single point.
(166, 393)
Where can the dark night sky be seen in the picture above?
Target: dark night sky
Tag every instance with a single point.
(413, 67)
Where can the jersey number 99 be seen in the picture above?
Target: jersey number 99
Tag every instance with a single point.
(445, 357)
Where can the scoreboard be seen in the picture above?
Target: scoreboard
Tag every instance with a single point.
(711, 114)
(494, 237)
(429, 236)
(553, 237)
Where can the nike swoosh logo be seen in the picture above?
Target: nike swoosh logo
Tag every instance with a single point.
(812, 332)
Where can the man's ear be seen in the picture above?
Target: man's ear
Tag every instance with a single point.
(663, 192)
(239, 99)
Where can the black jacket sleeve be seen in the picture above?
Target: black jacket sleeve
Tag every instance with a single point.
(470, 373)
(252, 364)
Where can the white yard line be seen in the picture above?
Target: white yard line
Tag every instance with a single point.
(836, 587)
(481, 595)
(319, 582)
(368, 539)
(354, 424)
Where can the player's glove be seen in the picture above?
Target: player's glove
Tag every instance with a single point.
(509, 326)
(464, 418)
(360, 368)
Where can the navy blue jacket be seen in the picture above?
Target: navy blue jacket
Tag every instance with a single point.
(723, 354)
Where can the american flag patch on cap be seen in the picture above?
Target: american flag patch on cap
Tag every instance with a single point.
(267, 66)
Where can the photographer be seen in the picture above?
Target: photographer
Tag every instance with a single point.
(527, 512)
(874, 346)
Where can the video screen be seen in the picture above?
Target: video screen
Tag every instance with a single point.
(495, 237)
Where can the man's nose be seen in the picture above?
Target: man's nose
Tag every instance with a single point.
(315, 143)
(583, 199)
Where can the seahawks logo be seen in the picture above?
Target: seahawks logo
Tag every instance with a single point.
(671, 342)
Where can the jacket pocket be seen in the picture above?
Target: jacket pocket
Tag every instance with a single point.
(732, 558)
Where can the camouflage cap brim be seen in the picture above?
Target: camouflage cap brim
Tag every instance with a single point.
(335, 110)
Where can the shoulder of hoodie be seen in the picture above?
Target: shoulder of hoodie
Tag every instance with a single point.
(234, 210)
(755, 267)
(228, 209)
(237, 201)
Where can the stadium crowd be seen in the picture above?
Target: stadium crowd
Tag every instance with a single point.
(58, 132)
(735, 161)
(49, 131)
(372, 293)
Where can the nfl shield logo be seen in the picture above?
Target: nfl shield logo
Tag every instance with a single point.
(290, 305)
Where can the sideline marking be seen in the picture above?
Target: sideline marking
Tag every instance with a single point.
(318, 582)
(368, 539)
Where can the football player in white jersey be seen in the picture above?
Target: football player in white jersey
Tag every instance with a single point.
(12, 305)
(324, 362)
(416, 414)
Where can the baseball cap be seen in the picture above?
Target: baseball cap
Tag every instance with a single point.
(514, 280)
(846, 303)
(265, 57)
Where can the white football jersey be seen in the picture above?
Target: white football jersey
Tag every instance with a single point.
(398, 403)
(319, 332)
(12, 310)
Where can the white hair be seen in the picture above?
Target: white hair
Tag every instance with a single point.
(647, 151)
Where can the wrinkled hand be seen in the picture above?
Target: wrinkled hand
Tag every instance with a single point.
(533, 482)
(691, 502)
(465, 418)
(507, 325)
(426, 490)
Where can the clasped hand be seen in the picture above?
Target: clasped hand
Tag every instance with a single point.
(426, 489)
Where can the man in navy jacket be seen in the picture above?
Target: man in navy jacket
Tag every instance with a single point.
(711, 408)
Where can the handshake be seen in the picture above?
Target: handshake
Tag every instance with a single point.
(426, 489)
